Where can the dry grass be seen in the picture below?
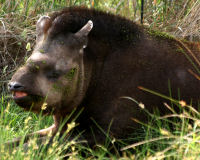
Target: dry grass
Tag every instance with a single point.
(189, 26)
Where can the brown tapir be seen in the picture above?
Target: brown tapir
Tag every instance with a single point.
(89, 59)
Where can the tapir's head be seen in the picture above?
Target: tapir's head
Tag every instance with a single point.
(51, 74)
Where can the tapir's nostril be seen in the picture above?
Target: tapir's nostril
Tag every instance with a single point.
(13, 86)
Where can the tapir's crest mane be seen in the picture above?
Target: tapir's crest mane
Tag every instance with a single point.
(109, 27)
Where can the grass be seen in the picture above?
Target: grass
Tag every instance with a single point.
(174, 136)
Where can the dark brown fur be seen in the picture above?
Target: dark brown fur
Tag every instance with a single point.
(119, 57)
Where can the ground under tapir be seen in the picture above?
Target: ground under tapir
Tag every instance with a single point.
(95, 61)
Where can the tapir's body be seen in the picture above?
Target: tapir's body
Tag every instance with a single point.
(100, 65)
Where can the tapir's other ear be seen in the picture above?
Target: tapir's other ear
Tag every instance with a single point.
(85, 30)
(43, 25)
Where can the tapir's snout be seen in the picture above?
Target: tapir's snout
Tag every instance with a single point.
(15, 86)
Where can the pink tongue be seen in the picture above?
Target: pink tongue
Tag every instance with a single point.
(20, 94)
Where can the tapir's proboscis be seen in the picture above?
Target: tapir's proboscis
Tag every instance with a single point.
(98, 63)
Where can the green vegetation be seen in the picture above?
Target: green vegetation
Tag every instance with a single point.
(159, 34)
(170, 136)
(174, 136)
(70, 74)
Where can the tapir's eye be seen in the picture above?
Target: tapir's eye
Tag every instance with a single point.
(53, 75)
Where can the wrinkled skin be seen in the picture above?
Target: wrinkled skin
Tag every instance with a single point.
(76, 65)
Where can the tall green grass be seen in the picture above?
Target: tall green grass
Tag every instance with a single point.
(173, 136)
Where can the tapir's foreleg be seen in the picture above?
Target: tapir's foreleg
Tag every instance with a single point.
(41, 136)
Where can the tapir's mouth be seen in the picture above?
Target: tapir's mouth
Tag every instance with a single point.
(19, 95)
(25, 97)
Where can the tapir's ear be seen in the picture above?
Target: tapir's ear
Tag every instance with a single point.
(85, 30)
(43, 25)
(83, 33)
